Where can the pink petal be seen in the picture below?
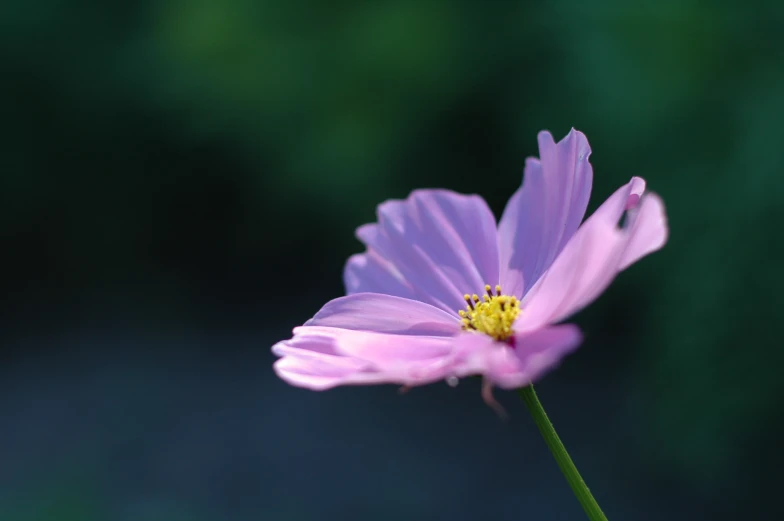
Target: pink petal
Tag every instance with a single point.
(381, 348)
(311, 362)
(650, 231)
(438, 243)
(385, 314)
(539, 352)
(370, 273)
(319, 375)
(596, 254)
(323, 357)
(534, 353)
(545, 212)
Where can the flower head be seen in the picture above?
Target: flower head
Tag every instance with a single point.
(443, 292)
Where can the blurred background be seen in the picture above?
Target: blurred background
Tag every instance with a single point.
(180, 184)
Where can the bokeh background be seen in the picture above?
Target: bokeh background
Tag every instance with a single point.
(180, 182)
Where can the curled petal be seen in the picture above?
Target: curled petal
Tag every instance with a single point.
(596, 254)
(544, 213)
(649, 232)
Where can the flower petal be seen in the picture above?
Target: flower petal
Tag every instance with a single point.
(650, 231)
(385, 314)
(534, 353)
(380, 348)
(539, 352)
(370, 273)
(311, 362)
(319, 374)
(323, 357)
(544, 213)
(596, 254)
(438, 243)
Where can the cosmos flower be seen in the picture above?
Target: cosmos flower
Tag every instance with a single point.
(443, 292)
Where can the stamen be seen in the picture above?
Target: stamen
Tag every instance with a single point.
(498, 289)
(493, 315)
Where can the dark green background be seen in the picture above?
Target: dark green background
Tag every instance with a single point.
(180, 182)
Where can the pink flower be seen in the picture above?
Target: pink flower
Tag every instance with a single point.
(443, 292)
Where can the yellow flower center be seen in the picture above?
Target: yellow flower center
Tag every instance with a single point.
(493, 314)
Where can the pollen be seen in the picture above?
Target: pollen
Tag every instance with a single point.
(493, 314)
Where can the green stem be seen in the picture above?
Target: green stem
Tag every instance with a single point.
(552, 440)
